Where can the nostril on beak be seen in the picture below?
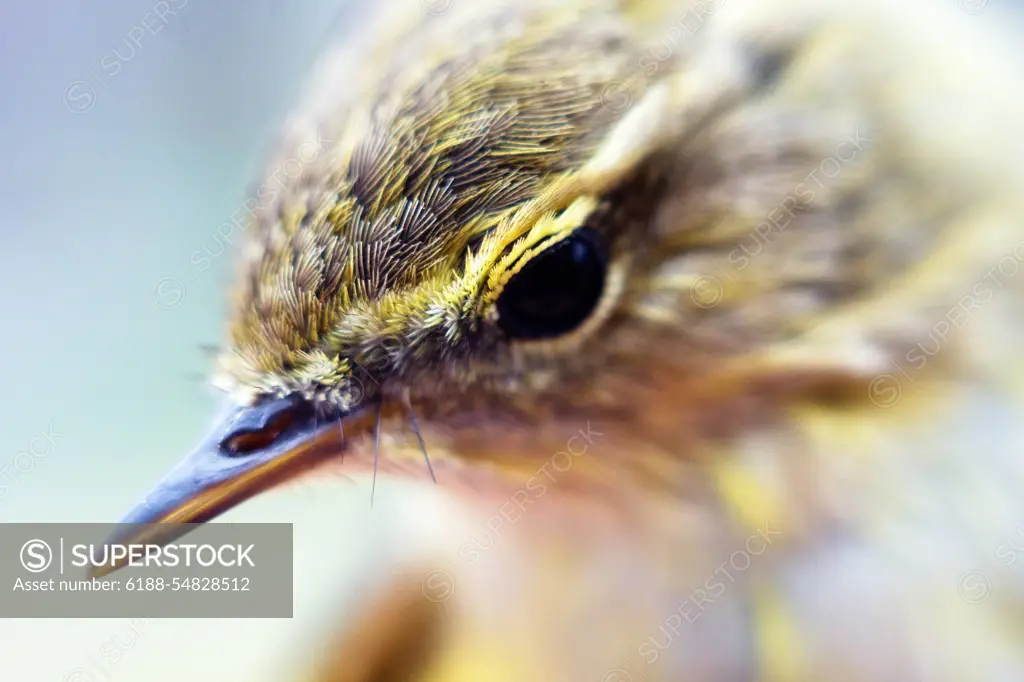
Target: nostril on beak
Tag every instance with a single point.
(259, 428)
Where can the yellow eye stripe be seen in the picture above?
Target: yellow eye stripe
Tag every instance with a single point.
(551, 228)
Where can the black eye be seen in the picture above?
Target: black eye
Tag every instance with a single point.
(557, 290)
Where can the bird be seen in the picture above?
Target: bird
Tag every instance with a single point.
(704, 314)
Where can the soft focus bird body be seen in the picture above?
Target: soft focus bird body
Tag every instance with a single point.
(786, 444)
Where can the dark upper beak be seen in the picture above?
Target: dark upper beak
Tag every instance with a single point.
(249, 450)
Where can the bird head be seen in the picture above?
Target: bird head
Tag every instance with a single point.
(515, 223)
(471, 240)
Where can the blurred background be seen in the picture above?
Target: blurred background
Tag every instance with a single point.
(130, 131)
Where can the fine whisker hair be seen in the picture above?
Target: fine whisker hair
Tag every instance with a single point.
(376, 452)
(416, 429)
(341, 428)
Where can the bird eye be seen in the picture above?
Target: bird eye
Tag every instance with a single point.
(557, 290)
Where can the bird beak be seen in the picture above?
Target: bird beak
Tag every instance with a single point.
(251, 449)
